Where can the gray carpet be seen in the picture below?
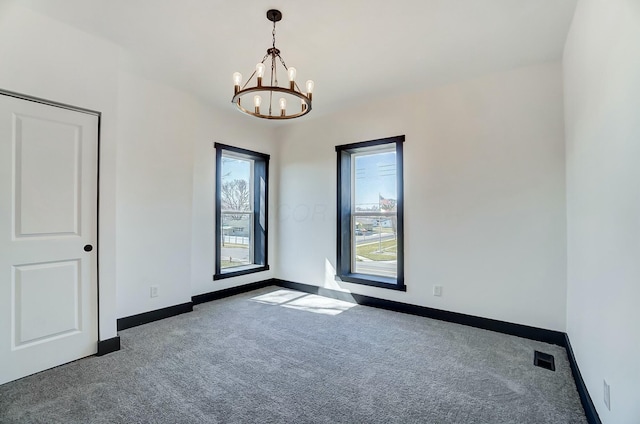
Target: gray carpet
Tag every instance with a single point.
(295, 358)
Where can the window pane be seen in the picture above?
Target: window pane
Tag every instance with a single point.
(375, 185)
(375, 245)
(236, 184)
(235, 248)
(374, 223)
(236, 194)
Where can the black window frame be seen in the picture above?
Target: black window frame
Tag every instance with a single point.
(344, 193)
(260, 235)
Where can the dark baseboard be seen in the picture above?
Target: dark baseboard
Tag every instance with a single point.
(108, 346)
(307, 288)
(158, 314)
(525, 331)
(589, 408)
(519, 330)
(208, 297)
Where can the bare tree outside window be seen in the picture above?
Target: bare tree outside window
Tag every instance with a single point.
(389, 205)
(235, 197)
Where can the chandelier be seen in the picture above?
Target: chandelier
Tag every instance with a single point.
(255, 106)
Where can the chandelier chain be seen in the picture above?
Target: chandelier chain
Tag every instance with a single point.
(274, 69)
(273, 33)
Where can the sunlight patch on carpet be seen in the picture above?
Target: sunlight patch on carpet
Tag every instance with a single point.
(304, 302)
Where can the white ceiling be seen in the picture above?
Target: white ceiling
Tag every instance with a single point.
(354, 50)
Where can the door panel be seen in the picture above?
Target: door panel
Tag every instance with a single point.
(48, 198)
(36, 319)
(47, 177)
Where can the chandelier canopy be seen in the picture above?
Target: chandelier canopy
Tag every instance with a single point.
(286, 95)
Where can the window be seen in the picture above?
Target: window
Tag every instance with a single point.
(370, 213)
(242, 194)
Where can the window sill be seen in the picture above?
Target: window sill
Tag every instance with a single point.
(373, 280)
(238, 271)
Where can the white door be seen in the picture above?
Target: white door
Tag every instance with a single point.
(48, 215)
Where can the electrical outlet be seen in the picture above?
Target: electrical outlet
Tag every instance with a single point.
(437, 290)
(607, 395)
(154, 291)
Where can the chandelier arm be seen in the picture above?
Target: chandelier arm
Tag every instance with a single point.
(254, 72)
(286, 69)
(249, 79)
(273, 73)
(274, 69)
(282, 61)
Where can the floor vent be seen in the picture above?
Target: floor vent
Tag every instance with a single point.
(544, 360)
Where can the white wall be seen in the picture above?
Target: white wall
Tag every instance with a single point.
(46, 59)
(156, 132)
(484, 195)
(602, 112)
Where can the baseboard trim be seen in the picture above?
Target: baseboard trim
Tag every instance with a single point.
(587, 404)
(220, 294)
(158, 314)
(533, 333)
(108, 346)
(525, 331)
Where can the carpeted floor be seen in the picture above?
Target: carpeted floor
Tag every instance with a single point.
(279, 356)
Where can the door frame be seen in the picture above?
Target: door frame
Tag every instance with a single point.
(98, 114)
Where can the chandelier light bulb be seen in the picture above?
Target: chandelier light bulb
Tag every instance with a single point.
(310, 89)
(283, 106)
(237, 79)
(292, 78)
(257, 101)
(259, 73)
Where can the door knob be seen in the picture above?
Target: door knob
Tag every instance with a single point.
(88, 248)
